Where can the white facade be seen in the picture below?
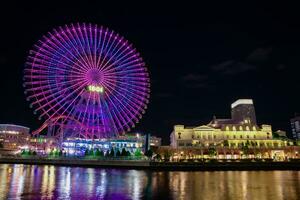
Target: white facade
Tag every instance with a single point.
(205, 135)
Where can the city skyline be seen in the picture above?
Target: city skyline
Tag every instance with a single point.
(197, 67)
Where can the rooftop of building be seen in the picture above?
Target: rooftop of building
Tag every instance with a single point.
(242, 102)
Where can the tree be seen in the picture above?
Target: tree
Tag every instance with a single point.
(247, 143)
(212, 151)
(112, 153)
(34, 153)
(124, 152)
(87, 152)
(128, 153)
(149, 153)
(275, 135)
(1, 145)
(101, 153)
(138, 153)
(118, 154)
(60, 153)
(91, 152)
(245, 150)
(158, 157)
(97, 153)
(225, 143)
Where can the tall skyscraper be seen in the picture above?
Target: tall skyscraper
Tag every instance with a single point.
(295, 124)
(242, 110)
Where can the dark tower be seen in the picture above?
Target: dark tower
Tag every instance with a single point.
(243, 111)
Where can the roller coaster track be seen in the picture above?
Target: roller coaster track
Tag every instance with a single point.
(54, 121)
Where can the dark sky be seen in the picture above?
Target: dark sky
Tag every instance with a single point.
(201, 58)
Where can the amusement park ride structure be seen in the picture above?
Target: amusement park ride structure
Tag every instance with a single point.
(86, 81)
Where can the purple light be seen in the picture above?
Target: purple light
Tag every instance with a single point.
(88, 74)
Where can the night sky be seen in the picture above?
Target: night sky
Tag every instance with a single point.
(201, 58)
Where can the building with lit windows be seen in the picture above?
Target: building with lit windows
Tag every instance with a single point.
(131, 142)
(12, 136)
(295, 125)
(242, 110)
(230, 138)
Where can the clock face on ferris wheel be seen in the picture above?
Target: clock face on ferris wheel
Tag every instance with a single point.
(90, 75)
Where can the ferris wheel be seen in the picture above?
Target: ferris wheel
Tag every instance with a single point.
(88, 74)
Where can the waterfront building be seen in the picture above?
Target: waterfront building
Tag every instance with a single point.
(230, 138)
(131, 142)
(155, 141)
(12, 136)
(295, 125)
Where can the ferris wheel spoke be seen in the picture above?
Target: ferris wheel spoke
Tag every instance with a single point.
(120, 58)
(79, 40)
(43, 66)
(50, 64)
(109, 45)
(59, 102)
(86, 41)
(138, 93)
(82, 66)
(53, 95)
(54, 48)
(120, 115)
(95, 45)
(62, 83)
(99, 44)
(115, 46)
(49, 80)
(86, 107)
(46, 95)
(101, 49)
(74, 46)
(62, 39)
(128, 102)
(132, 101)
(72, 102)
(72, 109)
(139, 90)
(119, 65)
(114, 54)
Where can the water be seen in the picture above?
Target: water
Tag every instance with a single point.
(52, 182)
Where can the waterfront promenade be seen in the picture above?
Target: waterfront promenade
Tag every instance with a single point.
(205, 165)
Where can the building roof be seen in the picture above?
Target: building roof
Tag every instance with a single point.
(241, 102)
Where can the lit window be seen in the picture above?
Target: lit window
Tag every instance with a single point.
(247, 128)
(241, 128)
(227, 128)
(254, 128)
(233, 128)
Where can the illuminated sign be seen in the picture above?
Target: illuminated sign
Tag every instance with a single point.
(93, 88)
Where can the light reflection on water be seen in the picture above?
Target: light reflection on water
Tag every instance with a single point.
(52, 182)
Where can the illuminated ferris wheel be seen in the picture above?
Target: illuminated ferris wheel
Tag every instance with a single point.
(91, 76)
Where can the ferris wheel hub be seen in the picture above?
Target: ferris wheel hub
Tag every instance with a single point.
(95, 76)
